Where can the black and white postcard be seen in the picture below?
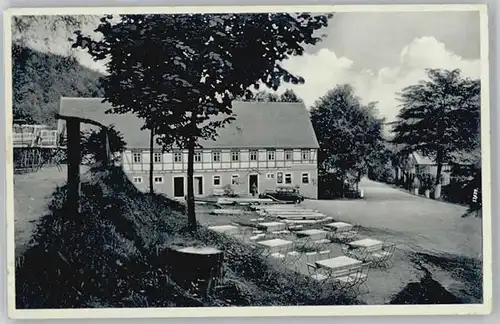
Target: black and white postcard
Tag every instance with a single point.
(248, 161)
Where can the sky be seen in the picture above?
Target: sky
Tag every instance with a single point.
(377, 53)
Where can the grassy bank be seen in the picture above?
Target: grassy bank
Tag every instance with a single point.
(107, 257)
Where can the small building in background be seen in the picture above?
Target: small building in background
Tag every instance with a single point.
(268, 145)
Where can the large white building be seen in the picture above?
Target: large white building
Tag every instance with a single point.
(269, 144)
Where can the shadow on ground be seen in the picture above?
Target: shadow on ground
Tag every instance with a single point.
(465, 285)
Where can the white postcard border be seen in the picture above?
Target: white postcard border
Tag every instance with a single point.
(358, 310)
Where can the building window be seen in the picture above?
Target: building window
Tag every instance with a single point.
(137, 157)
(137, 179)
(279, 177)
(270, 176)
(158, 179)
(288, 178)
(178, 157)
(288, 155)
(306, 155)
(197, 156)
(216, 156)
(157, 157)
(235, 156)
(235, 179)
(305, 178)
(216, 180)
(253, 155)
(271, 155)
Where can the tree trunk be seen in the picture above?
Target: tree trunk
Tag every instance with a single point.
(151, 164)
(358, 181)
(73, 158)
(106, 149)
(439, 168)
(190, 188)
(343, 186)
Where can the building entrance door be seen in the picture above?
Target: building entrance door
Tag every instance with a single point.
(178, 186)
(198, 185)
(253, 184)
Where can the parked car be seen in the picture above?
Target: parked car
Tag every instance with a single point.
(283, 194)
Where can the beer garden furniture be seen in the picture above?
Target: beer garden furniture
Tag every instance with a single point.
(369, 244)
(383, 257)
(338, 225)
(276, 245)
(344, 234)
(314, 234)
(338, 263)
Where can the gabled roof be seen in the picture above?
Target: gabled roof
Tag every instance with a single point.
(257, 124)
(422, 160)
(463, 158)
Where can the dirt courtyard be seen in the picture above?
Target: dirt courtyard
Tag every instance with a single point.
(426, 232)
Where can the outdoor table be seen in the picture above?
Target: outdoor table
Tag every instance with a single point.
(314, 234)
(276, 245)
(369, 244)
(338, 225)
(227, 229)
(338, 263)
(272, 226)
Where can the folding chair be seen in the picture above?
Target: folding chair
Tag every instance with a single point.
(322, 244)
(323, 255)
(383, 258)
(311, 257)
(315, 273)
(343, 279)
(292, 257)
(360, 277)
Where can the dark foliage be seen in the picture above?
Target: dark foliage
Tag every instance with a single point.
(349, 133)
(93, 144)
(287, 96)
(439, 116)
(195, 64)
(426, 181)
(39, 81)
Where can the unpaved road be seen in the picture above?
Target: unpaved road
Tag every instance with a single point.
(32, 194)
(424, 229)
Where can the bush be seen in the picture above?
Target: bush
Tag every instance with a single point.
(108, 257)
(426, 180)
(382, 173)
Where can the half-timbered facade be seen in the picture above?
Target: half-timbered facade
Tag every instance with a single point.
(268, 145)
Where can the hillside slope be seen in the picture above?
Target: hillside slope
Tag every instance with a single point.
(40, 79)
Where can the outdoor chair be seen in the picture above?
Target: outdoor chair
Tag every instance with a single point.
(323, 255)
(278, 256)
(316, 273)
(355, 253)
(347, 250)
(360, 277)
(383, 257)
(292, 258)
(343, 279)
(347, 234)
(311, 257)
(302, 243)
(322, 244)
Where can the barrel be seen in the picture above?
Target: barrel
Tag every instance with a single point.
(199, 267)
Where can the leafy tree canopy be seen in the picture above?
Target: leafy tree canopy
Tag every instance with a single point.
(194, 65)
(349, 133)
(439, 116)
(287, 96)
(178, 71)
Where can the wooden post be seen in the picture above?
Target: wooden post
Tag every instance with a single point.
(151, 162)
(106, 150)
(73, 149)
